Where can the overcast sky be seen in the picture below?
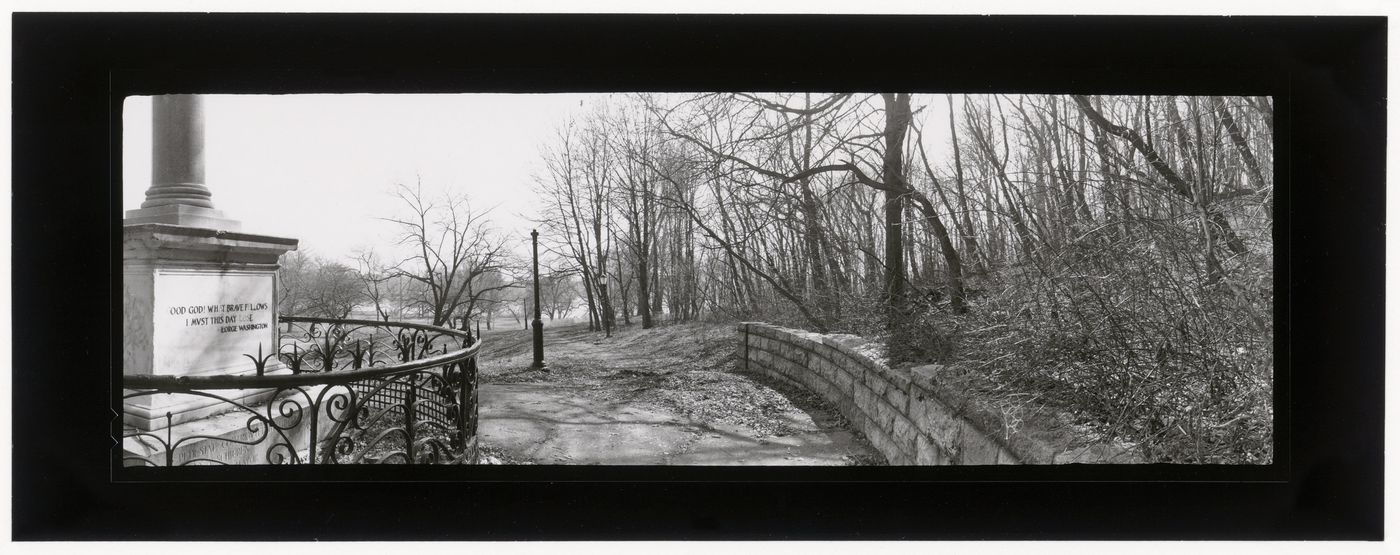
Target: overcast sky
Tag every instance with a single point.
(322, 168)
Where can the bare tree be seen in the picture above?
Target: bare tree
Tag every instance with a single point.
(292, 278)
(309, 285)
(376, 281)
(640, 207)
(333, 291)
(750, 153)
(452, 247)
(558, 294)
(574, 213)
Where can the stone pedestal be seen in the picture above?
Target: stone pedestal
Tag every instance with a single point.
(196, 301)
(199, 298)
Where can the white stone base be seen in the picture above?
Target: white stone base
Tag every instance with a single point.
(232, 438)
(180, 214)
(196, 301)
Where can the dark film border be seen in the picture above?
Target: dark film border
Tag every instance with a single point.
(71, 72)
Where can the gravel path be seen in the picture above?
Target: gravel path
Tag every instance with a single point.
(644, 397)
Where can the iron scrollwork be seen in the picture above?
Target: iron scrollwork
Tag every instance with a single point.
(340, 392)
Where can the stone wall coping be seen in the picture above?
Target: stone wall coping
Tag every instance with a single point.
(1039, 438)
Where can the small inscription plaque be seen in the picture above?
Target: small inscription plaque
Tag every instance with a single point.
(206, 321)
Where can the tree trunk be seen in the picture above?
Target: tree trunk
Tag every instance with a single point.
(655, 283)
(897, 116)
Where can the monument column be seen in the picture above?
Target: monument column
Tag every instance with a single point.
(177, 152)
(177, 194)
(198, 294)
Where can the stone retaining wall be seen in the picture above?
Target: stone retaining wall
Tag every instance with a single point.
(912, 416)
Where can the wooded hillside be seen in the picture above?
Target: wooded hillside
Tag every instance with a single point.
(1111, 255)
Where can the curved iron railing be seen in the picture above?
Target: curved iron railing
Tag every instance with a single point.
(344, 391)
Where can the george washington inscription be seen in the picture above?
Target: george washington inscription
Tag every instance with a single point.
(229, 317)
(206, 322)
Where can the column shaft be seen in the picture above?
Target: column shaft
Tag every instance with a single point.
(177, 152)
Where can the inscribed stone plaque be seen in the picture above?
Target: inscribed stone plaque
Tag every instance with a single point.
(206, 321)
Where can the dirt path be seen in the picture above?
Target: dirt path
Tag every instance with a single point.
(660, 396)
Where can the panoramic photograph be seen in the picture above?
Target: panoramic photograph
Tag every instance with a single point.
(712, 279)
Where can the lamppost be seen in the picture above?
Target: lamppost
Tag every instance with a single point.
(539, 326)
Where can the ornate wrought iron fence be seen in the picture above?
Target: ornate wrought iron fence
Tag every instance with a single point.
(341, 391)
